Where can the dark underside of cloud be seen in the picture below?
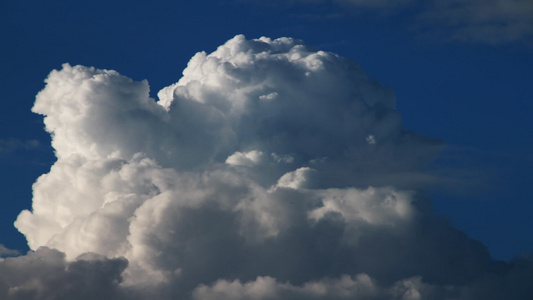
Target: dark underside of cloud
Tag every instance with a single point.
(268, 171)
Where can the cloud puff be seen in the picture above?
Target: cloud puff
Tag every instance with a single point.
(245, 159)
(252, 177)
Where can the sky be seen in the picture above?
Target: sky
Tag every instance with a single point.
(247, 150)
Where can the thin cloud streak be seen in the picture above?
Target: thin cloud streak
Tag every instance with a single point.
(492, 22)
(478, 21)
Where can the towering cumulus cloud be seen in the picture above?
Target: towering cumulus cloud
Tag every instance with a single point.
(268, 171)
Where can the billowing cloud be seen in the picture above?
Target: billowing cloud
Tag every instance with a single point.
(268, 171)
(44, 274)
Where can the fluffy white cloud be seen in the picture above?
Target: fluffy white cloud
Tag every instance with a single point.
(374, 206)
(245, 159)
(252, 177)
(297, 179)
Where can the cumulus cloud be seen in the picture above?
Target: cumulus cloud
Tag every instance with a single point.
(252, 177)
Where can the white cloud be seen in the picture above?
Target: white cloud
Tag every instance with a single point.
(370, 139)
(285, 158)
(245, 159)
(268, 96)
(382, 206)
(297, 179)
(213, 192)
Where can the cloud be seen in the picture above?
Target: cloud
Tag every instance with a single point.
(492, 21)
(375, 3)
(11, 145)
(245, 159)
(268, 288)
(480, 21)
(365, 4)
(44, 274)
(4, 251)
(252, 177)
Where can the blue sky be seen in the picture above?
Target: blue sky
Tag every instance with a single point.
(467, 83)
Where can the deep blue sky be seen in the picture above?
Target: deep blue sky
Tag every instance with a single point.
(473, 94)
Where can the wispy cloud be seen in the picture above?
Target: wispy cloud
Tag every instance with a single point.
(382, 4)
(7, 252)
(486, 21)
(479, 21)
(11, 145)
